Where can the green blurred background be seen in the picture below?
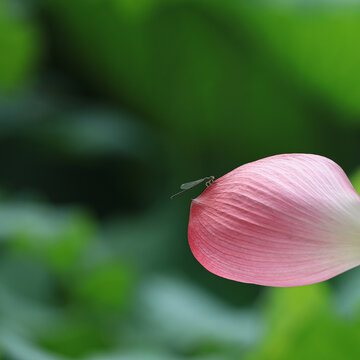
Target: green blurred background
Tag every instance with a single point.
(106, 106)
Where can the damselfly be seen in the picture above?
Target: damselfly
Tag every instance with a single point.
(189, 185)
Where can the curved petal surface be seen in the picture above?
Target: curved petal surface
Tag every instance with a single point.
(286, 220)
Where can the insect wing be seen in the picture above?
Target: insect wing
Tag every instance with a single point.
(191, 184)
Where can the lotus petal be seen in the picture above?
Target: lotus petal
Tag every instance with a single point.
(286, 220)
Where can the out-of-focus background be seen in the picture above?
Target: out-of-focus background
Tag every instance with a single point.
(106, 107)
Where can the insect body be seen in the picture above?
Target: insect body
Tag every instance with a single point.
(189, 185)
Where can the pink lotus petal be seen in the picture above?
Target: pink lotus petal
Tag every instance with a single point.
(286, 220)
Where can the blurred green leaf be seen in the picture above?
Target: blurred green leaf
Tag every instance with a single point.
(106, 286)
(148, 355)
(302, 324)
(347, 295)
(77, 336)
(94, 131)
(181, 62)
(19, 47)
(18, 348)
(57, 237)
(26, 315)
(315, 43)
(80, 130)
(15, 269)
(355, 180)
(183, 315)
(148, 241)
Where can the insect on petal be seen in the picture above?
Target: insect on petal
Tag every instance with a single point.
(286, 220)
